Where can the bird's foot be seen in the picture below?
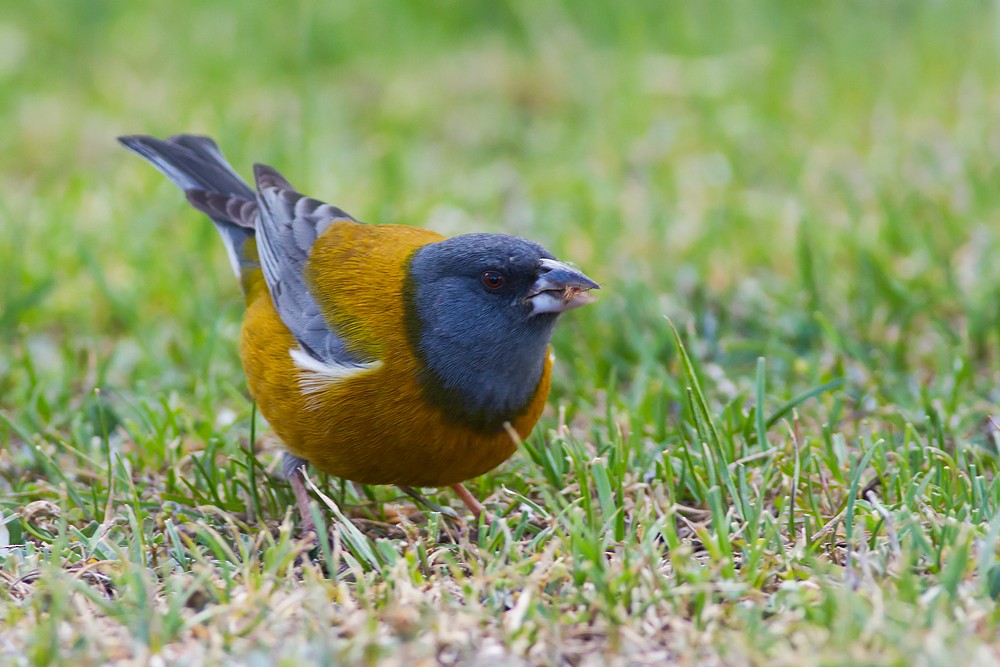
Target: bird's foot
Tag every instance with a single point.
(470, 501)
(428, 503)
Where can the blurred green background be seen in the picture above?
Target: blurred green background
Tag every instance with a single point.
(812, 182)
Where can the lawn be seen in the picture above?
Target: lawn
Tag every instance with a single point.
(770, 442)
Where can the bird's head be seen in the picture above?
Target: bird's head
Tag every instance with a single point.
(481, 311)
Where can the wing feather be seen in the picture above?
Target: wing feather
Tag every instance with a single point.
(287, 228)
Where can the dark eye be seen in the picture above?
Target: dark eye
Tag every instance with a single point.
(492, 280)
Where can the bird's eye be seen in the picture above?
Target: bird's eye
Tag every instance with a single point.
(492, 280)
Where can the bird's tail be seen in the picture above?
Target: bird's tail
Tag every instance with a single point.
(196, 165)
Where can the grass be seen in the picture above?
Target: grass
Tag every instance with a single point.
(769, 443)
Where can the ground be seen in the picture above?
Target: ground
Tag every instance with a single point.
(804, 472)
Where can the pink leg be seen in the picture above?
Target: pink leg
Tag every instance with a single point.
(470, 501)
(298, 482)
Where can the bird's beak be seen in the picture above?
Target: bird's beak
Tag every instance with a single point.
(559, 288)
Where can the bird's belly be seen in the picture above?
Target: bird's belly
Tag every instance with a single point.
(374, 427)
(375, 435)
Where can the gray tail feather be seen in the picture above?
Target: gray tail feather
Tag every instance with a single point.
(196, 163)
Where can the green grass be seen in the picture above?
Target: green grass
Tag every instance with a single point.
(803, 472)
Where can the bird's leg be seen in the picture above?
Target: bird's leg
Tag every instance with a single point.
(470, 501)
(293, 468)
(298, 482)
(426, 502)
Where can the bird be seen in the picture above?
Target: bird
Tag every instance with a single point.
(378, 353)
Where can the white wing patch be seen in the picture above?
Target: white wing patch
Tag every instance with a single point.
(317, 376)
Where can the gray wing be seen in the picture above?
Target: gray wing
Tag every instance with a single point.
(288, 225)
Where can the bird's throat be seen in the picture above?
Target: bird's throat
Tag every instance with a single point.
(483, 388)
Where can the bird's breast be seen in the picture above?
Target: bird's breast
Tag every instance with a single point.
(375, 427)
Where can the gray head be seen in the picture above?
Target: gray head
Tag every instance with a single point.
(480, 313)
